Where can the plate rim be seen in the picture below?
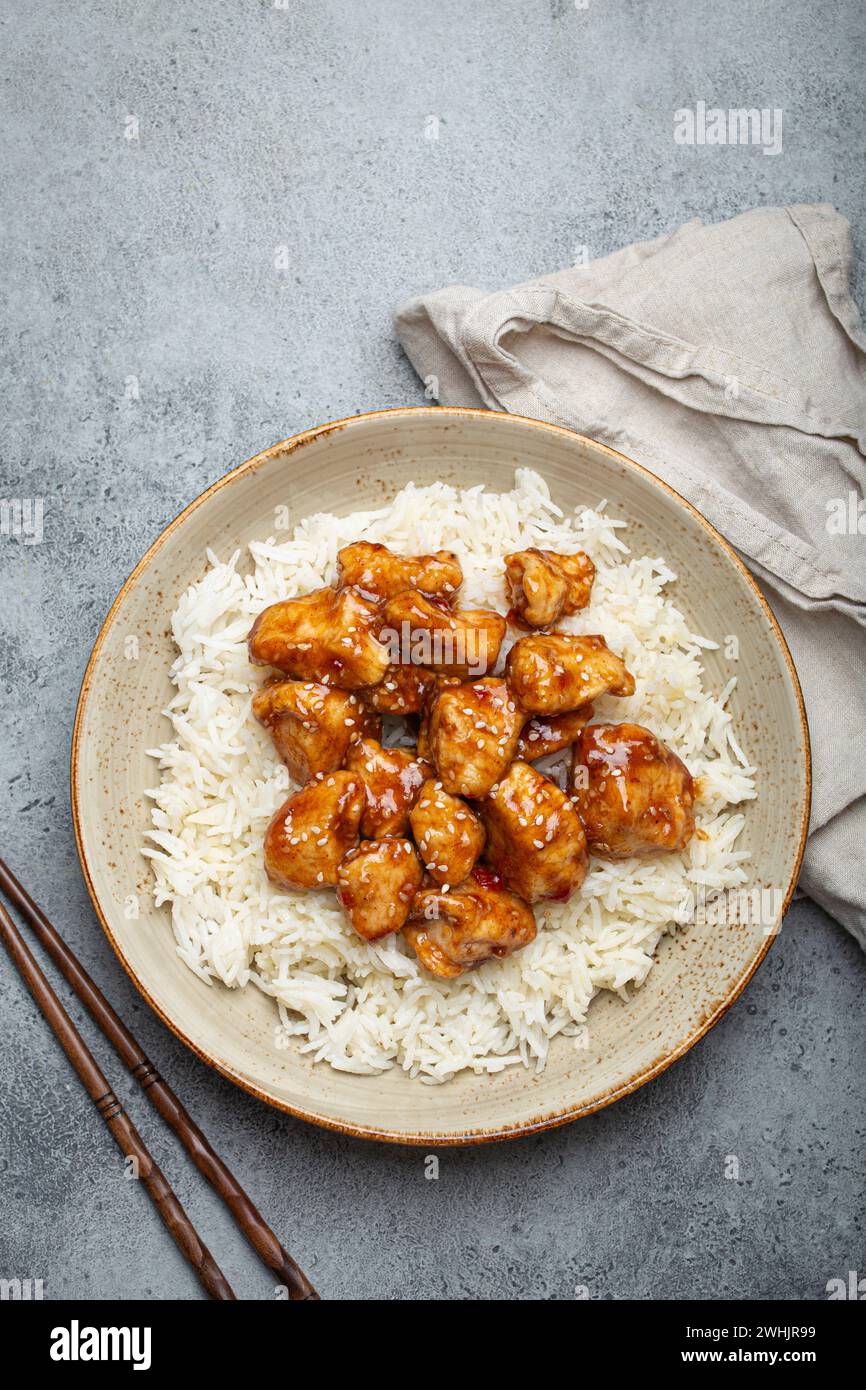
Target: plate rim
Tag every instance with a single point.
(540, 1123)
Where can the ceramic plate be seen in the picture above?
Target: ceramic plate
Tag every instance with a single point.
(360, 463)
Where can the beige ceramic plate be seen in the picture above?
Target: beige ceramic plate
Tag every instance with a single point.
(358, 463)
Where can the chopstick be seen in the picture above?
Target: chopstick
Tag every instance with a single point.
(126, 1135)
(159, 1093)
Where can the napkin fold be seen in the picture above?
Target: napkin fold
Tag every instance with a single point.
(730, 360)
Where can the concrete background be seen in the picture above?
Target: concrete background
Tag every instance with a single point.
(151, 344)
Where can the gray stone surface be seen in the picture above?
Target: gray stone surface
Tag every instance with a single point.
(151, 344)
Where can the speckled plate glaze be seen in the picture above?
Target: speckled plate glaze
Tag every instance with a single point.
(358, 463)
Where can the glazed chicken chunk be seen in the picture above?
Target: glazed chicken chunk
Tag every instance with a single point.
(473, 732)
(380, 574)
(419, 631)
(313, 831)
(376, 883)
(550, 734)
(552, 673)
(449, 836)
(478, 920)
(392, 779)
(325, 636)
(545, 586)
(312, 725)
(403, 690)
(535, 840)
(634, 795)
(433, 959)
(440, 682)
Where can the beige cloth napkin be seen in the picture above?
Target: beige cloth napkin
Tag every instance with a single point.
(730, 360)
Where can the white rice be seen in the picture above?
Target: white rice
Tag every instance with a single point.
(367, 1008)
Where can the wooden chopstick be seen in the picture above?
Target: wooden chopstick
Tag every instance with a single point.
(126, 1135)
(210, 1165)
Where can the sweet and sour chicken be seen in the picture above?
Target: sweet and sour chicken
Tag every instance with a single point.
(535, 840)
(545, 586)
(312, 725)
(314, 830)
(402, 690)
(378, 573)
(477, 921)
(449, 835)
(552, 673)
(327, 636)
(451, 841)
(634, 795)
(546, 734)
(457, 642)
(392, 779)
(472, 734)
(376, 885)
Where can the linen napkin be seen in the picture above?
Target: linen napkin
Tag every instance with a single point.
(730, 360)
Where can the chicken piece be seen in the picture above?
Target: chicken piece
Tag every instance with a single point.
(458, 931)
(546, 586)
(544, 735)
(376, 883)
(473, 731)
(378, 573)
(312, 725)
(634, 795)
(550, 673)
(423, 739)
(535, 840)
(325, 636)
(403, 690)
(313, 831)
(392, 778)
(434, 961)
(419, 631)
(449, 836)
